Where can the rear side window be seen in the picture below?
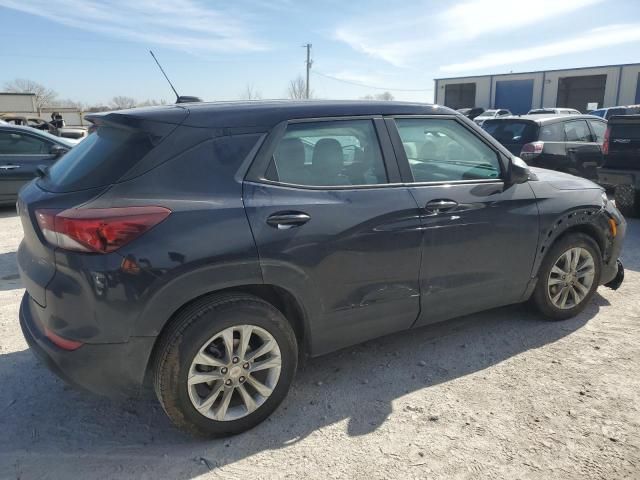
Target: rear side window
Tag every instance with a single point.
(552, 132)
(577, 131)
(510, 132)
(100, 159)
(598, 129)
(333, 153)
(17, 143)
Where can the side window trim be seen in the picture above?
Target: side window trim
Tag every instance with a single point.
(260, 166)
(403, 161)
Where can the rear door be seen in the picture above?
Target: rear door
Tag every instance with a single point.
(335, 227)
(584, 154)
(20, 155)
(480, 234)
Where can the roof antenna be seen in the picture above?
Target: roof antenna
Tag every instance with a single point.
(179, 99)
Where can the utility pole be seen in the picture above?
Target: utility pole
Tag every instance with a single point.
(309, 63)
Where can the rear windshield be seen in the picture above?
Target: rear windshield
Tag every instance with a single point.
(511, 132)
(98, 160)
(626, 131)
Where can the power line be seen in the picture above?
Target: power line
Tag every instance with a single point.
(315, 72)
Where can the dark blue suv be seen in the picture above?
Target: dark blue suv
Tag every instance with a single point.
(205, 248)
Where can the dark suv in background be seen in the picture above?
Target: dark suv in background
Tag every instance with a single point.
(566, 143)
(206, 247)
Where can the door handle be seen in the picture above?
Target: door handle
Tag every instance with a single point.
(438, 206)
(9, 167)
(286, 220)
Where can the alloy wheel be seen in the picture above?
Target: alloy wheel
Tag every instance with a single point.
(234, 372)
(571, 278)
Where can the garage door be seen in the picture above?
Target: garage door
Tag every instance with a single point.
(460, 95)
(578, 92)
(514, 95)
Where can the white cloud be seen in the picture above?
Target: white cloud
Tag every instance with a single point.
(591, 40)
(399, 38)
(181, 24)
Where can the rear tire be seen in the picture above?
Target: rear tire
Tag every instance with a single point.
(210, 375)
(558, 274)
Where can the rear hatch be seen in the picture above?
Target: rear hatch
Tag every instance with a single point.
(121, 143)
(624, 143)
(512, 133)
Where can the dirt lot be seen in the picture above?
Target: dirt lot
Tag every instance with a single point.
(501, 394)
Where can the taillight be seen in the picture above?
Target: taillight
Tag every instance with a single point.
(605, 144)
(97, 230)
(531, 150)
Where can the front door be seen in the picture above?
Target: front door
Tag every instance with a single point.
(480, 235)
(335, 228)
(20, 155)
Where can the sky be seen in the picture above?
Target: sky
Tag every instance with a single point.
(93, 50)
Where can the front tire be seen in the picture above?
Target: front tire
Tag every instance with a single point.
(225, 364)
(568, 277)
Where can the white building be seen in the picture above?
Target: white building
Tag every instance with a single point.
(606, 86)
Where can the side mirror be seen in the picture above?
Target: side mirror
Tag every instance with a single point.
(518, 171)
(58, 150)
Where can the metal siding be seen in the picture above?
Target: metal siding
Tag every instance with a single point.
(638, 90)
(515, 95)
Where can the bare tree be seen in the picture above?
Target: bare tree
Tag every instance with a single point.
(385, 96)
(298, 89)
(68, 103)
(44, 95)
(121, 102)
(250, 93)
(152, 102)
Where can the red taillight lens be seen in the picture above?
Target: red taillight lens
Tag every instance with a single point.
(61, 342)
(531, 150)
(605, 144)
(97, 230)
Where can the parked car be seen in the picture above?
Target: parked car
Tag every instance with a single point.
(210, 249)
(607, 113)
(33, 122)
(22, 151)
(620, 171)
(488, 114)
(566, 143)
(471, 113)
(555, 111)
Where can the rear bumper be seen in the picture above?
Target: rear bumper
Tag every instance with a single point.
(114, 370)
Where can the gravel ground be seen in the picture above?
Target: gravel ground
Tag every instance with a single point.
(500, 394)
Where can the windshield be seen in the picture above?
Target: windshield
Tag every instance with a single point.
(64, 141)
(487, 113)
(511, 132)
(101, 158)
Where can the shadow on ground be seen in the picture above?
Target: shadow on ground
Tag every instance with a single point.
(44, 419)
(9, 277)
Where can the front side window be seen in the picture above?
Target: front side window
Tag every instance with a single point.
(598, 129)
(332, 153)
(16, 143)
(577, 131)
(441, 150)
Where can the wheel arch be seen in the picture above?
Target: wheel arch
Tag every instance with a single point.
(280, 298)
